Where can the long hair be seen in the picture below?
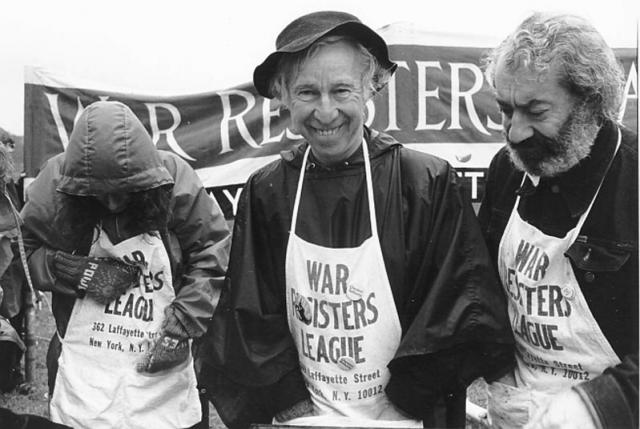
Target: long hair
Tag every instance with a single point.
(148, 212)
(589, 66)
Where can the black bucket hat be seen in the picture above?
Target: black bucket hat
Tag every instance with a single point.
(304, 31)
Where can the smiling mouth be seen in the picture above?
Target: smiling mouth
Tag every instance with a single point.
(326, 132)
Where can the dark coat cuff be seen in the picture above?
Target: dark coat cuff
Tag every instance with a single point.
(606, 402)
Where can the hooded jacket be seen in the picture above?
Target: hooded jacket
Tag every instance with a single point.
(451, 309)
(110, 151)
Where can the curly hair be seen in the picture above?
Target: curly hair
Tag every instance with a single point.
(148, 212)
(374, 77)
(590, 69)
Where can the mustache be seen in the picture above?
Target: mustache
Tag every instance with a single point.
(533, 153)
(537, 144)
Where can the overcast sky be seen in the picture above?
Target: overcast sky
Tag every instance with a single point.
(178, 47)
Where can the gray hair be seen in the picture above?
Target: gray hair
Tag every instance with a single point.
(374, 78)
(591, 71)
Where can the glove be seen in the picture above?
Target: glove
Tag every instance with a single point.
(102, 279)
(172, 325)
(165, 352)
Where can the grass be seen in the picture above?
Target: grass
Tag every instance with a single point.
(33, 399)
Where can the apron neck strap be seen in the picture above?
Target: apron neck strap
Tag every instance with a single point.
(296, 202)
(583, 218)
(367, 170)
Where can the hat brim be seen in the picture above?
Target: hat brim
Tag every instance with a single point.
(263, 74)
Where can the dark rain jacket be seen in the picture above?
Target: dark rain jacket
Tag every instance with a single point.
(106, 154)
(604, 257)
(451, 309)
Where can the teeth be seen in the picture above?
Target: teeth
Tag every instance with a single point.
(325, 133)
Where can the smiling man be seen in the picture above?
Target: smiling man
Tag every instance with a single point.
(560, 215)
(360, 292)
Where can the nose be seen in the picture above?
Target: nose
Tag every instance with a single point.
(325, 111)
(517, 127)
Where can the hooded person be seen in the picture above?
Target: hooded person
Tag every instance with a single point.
(359, 290)
(134, 251)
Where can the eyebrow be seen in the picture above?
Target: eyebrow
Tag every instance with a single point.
(531, 103)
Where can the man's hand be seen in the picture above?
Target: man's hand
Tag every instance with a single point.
(102, 279)
(303, 408)
(164, 353)
(564, 410)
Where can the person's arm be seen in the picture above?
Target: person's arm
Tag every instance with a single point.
(461, 331)
(41, 269)
(608, 401)
(612, 397)
(204, 238)
(249, 352)
(40, 232)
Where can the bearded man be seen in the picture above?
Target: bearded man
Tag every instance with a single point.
(560, 216)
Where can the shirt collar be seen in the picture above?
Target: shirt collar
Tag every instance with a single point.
(578, 185)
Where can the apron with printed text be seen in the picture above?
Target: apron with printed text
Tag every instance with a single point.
(97, 385)
(558, 341)
(344, 323)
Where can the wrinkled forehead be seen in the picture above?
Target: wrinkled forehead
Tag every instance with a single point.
(335, 47)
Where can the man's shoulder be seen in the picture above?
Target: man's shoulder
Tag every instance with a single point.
(416, 159)
(410, 159)
(629, 142)
(173, 162)
(48, 176)
(269, 173)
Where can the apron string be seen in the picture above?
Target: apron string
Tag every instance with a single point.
(582, 219)
(368, 179)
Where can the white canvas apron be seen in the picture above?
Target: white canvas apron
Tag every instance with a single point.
(97, 385)
(345, 325)
(558, 341)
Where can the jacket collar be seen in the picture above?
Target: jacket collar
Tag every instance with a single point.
(578, 185)
(378, 144)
